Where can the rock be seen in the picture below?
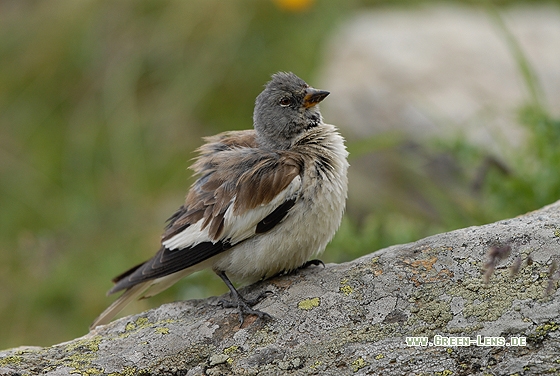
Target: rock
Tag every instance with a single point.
(354, 318)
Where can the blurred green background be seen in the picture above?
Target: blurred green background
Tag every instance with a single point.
(102, 104)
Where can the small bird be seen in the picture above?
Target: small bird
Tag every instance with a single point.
(265, 201)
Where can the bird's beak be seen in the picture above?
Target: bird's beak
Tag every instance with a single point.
(314, 96)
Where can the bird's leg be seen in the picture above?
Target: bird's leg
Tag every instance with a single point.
(314, 262)
(243, 306)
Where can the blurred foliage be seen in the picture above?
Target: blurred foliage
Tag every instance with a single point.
(481, 187)
(101, 106)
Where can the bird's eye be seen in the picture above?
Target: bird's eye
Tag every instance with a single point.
(285, 101)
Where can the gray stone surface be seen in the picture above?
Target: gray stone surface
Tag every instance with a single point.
(352, 318)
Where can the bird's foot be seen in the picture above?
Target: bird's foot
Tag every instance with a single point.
(245, 306)
(314, 262)
(307, 264)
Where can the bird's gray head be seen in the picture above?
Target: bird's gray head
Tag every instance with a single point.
(286, 108)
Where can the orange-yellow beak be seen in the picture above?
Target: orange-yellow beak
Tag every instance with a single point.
(314, 96)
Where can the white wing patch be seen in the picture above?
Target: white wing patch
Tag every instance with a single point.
(189, 237)
(241, 227)
(236, 227)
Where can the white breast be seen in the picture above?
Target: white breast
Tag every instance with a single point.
(309, 226)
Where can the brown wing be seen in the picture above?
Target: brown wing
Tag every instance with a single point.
(231, 172)
(230, 166)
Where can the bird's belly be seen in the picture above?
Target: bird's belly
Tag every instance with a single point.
(305, 232)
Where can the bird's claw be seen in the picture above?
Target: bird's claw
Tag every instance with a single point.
(244, 306)
(314, 262)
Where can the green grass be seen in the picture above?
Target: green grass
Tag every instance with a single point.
(101, 107)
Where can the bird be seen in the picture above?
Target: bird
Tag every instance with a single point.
(265, 200)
